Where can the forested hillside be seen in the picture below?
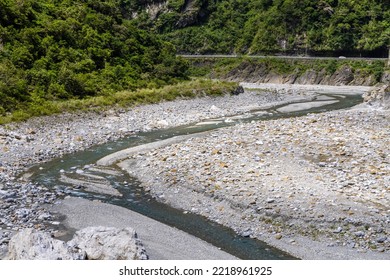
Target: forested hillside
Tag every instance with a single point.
(272, 26)
(59, 50)
(56, 50)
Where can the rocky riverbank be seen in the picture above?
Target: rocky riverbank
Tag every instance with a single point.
(41, 139)
(317, 186)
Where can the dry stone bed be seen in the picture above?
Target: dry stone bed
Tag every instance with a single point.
(325, 177)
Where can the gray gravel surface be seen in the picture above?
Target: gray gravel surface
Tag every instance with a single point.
(40, 139)
(321, 179)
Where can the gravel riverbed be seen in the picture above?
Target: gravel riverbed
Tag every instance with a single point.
(321, 179)
(22, 145)
(316, 186)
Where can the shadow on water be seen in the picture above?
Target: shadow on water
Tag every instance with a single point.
(136, 199)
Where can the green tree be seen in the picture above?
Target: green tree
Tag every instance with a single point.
(74, 49)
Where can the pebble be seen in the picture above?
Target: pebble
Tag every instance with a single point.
(278, 236)
(44, 216)
(359, 233)
(247, 233)
(4, 240)
(338, 230)
(381, 239)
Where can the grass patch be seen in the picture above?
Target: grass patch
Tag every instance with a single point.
(188, 89)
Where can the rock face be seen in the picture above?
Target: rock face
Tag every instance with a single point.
(261, 73)
(386, 77)
(30, 244)
(188, 13)
(101, 243)
(380, 96)
(342, 77)
(93, 243)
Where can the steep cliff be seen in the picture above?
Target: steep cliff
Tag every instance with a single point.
(168, 15)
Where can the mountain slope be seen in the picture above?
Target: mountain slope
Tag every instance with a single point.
(272, 26)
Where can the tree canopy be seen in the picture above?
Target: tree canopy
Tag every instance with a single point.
(271, 26)
(51, 49)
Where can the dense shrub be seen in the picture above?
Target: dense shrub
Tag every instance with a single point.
(57, 50)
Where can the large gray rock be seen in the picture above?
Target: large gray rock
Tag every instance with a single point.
(343, 76)
(93, 243)
(308, 78)
(386, 78)
(30, 244)
(102, 243)
(379, 96)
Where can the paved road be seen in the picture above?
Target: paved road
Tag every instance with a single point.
(283, 57)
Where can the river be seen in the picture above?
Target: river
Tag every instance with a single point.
(82, 165)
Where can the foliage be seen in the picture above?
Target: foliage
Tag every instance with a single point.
(186, 89)
(83, 52)
(265, 26)
(57, 50)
